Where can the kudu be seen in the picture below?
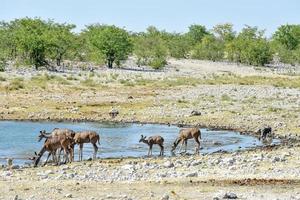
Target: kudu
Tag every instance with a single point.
(57, 132)
(185, 135)
(52, 144)
(153, 140)
(87, 137)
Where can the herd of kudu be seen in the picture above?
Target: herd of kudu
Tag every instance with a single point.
(65, 139)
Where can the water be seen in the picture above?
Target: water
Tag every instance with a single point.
(19, 139)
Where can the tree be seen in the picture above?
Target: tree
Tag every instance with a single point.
(30, 35)
(178, 46)
(61, 40)
(196, 33)
(249, 47)
(111, 42)
(150, 49)
(288, 35)
(210, 48)
(286, 43)
(224, 32)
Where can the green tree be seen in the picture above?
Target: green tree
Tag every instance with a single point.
(30, 35)
(210, 48)
(288, 35)
(61, 40)
(178, 46)
(224, 32)
(249, 47)
(196, 33)
(151, 49)
(111, 42)
(286, 43)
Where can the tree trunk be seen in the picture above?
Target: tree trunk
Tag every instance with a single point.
(110, 64)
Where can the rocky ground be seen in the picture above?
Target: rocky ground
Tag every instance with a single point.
(223, 95)
(260, 174)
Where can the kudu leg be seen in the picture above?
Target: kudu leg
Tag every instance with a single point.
(185, 148)
(198, 146)
(95, 151)
(47, 158)
(80, 151)
(180, 146)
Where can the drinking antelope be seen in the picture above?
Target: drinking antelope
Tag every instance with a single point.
(52, 144)
(184, 135)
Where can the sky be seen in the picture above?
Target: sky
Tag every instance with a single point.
(169, 15)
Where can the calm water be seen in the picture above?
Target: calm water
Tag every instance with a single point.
(19, 139)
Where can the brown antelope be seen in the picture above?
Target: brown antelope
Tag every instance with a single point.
(153, 140)
(52, 144)
(87, 137)
(184, 135)
(57, 132)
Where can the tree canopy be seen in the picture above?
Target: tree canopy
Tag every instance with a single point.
(36, 42)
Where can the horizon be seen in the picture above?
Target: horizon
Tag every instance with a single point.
(136, 16)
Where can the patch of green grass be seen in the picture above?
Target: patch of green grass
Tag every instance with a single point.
(15, 84)
(2, 78)
(88, 82)
(225, 97)
(72, 78)
(273, 109)
(114, 76)
(127, 82)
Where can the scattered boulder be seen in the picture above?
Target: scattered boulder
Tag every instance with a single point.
(68, 196)
(113, 113)
(195, 113)
(165, 197)
(193, 174)
(168, 164)
(230, 195)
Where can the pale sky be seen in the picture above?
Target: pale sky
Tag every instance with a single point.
(171, 15)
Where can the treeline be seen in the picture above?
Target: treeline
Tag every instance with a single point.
(47, 43)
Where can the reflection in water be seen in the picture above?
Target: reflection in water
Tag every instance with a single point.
(19, 139)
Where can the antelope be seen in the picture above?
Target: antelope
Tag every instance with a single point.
(264, 132)
(184, 135)
(57, 132)
(52, 144)
(153, 140)
(87, 137)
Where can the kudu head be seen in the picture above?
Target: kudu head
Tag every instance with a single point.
(143, 138)
(174, 145)
(43, 134)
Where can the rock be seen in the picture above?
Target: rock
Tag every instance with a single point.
(127, 167)
(194, 174)
(230, 195)
(196, 162)
(165, 197)
(113, 113)
(168, 164)
(68, 196)
(216, 198)
(15, 167)
(276, 159)
(195, 113)
(16, 197)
